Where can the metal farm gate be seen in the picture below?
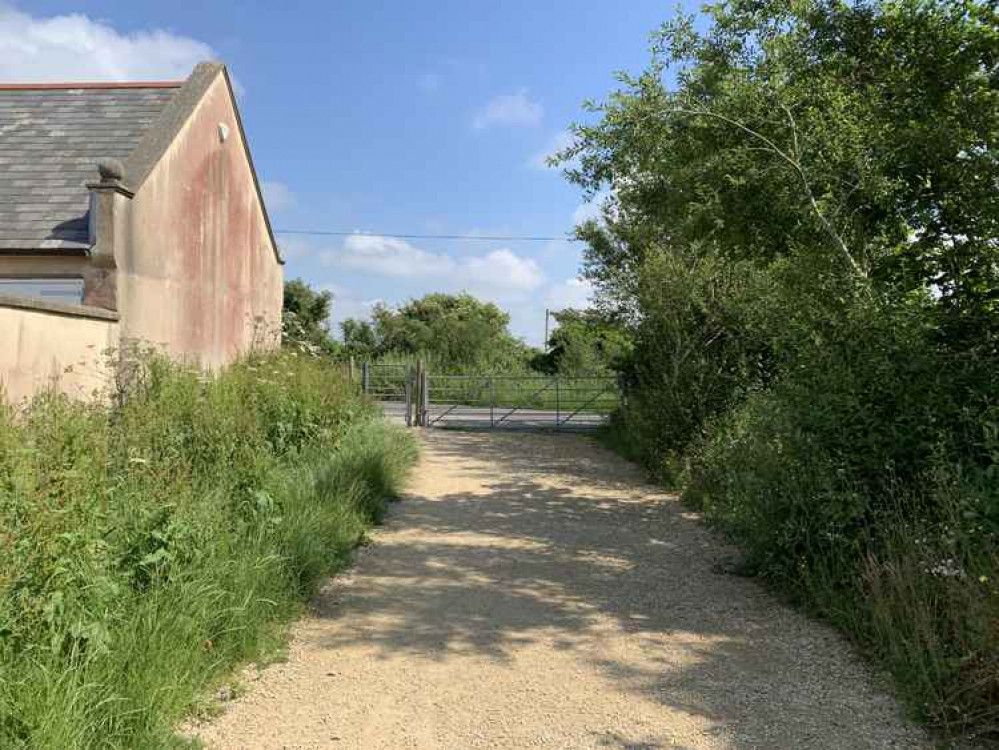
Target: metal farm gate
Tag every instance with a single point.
(412, 394)
(390, 385)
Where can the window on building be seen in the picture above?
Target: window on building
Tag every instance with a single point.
(54, 289)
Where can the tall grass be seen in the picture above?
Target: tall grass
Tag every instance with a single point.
(910, 571)
(150, 547)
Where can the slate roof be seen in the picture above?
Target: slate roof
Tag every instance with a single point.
(51, 139)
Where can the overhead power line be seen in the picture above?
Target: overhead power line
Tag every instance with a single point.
(486, 237)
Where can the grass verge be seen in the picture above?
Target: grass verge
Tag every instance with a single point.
(150, 548)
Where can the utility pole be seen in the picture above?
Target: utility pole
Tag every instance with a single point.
(547, 311)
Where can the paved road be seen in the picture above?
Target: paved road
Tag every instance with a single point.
(532, 592)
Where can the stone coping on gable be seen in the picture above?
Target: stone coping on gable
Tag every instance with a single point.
(58, 308)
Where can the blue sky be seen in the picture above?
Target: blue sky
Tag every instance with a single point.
(400, 117)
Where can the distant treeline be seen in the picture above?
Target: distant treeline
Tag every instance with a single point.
(455, 333)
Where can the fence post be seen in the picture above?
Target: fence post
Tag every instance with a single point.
(558, 406)
(414, 375)
(409, 396)
(365, 377)
(492, 402)
(421, 394)
(426, 396)
(424, 393)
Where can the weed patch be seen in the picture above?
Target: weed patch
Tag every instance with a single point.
(151, 547)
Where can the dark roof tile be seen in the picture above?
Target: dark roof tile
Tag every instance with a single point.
(50, 143)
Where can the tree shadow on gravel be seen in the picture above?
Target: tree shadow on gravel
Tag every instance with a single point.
(562, 546)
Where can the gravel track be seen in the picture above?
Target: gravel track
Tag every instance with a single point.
(531, 591)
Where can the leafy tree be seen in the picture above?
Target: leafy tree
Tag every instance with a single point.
(822, 152)
(359, 338)
(305, 316)
(584, 343)
(457, 332)
(857, 139)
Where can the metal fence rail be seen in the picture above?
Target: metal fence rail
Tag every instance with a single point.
(391, 385)
(511, 402)
(411, 393)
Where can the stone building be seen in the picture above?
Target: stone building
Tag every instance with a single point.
(129, 212)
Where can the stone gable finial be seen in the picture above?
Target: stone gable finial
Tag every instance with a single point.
(110, 170)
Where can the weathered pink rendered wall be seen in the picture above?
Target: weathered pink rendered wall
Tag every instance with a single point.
(42, 349)
(197, 274)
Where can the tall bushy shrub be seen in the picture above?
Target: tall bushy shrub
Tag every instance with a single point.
(864, 483)
(696, 354)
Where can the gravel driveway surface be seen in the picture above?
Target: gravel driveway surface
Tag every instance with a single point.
(531, 591)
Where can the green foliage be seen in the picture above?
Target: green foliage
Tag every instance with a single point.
(151, 547)
(802, 239)
(305, 318)
(866, 486)
(458, 333)
(861, 133)
(359, 337)
(696, 354)
(584, 343)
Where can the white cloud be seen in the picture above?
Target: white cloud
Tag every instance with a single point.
(388, 256)
(502, 269)
(75, 47)
(526, 306)
(430, 82)
(559, 142)
(509, 109)
(277, 195)
(347, 304)
(575, 293)
(560, 250)
(497, 272)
